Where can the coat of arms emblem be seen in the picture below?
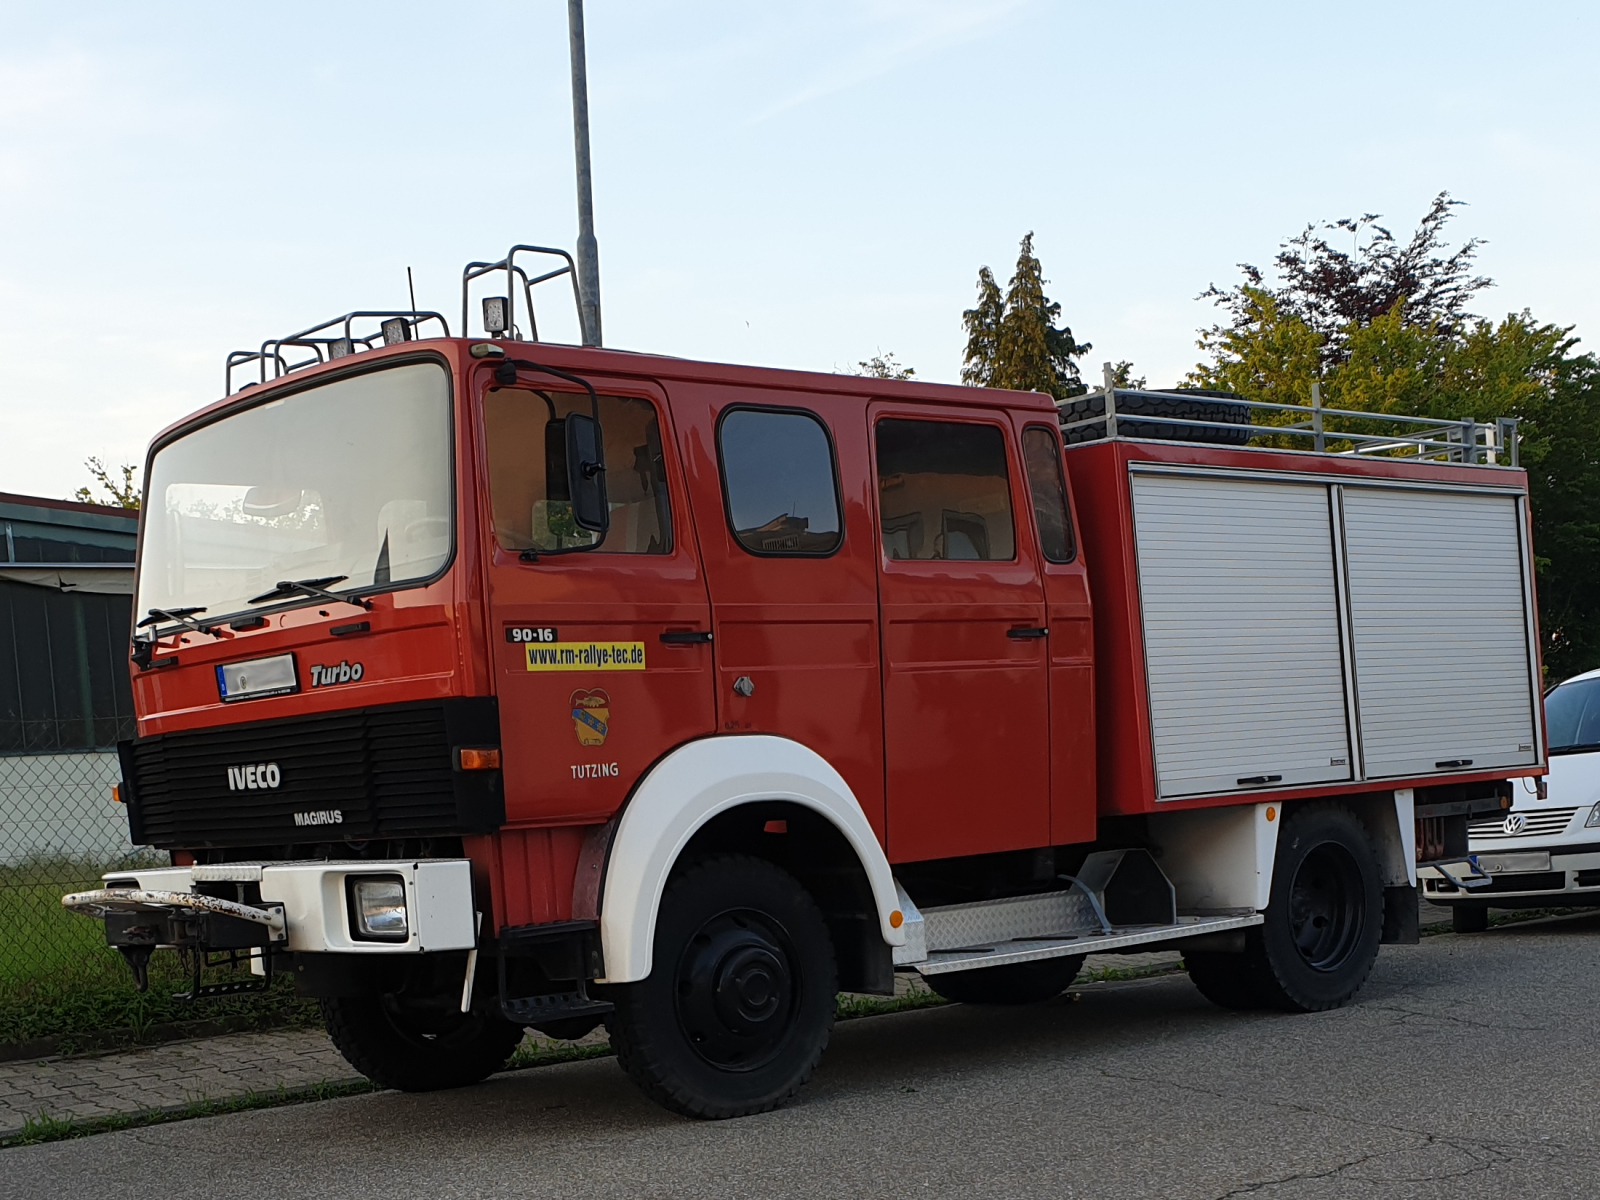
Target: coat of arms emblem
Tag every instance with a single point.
(591, 716)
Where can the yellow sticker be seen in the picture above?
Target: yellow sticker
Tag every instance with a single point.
(585, 656)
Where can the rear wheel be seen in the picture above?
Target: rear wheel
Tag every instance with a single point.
(737, 1009)
(1469, 918)
(1018, 983)
(1319, 939)
(418, 1048)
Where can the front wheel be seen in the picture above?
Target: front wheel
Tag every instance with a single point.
(415, 1047)
(737, 1009)
(1320, 933)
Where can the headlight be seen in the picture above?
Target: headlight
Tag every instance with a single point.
(378, 908)
(1593, 818)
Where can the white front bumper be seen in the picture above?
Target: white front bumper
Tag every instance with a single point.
(439, 907)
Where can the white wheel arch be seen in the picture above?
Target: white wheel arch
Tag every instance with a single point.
(689, 787)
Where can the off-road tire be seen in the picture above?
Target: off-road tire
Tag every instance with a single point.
(1469, 918)
(1322, 926)
(736, 1011)
(1219, 410)
(418, 1054)
(1227, 980)
(1018, 983)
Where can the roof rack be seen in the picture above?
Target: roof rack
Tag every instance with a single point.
(335, 338)
(500, 313)
(1128, 412)
(340, 336)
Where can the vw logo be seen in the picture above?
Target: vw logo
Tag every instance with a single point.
(1514, 824)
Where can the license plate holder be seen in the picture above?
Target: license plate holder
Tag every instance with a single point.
(1514, 862)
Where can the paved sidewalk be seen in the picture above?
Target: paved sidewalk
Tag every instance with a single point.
(166, 1077)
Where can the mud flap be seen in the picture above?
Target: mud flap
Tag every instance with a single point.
(1401, 924)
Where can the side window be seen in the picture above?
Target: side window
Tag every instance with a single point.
(526, 436)
(778, 482)
(1042, 458)
(943, 491)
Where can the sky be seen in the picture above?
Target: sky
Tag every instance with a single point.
(784, 185)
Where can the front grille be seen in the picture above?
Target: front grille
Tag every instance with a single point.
(1542, 822)
(348, 776)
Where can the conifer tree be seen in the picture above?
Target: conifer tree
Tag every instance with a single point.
(1013, 341)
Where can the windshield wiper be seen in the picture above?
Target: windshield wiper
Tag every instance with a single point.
(315, 589)
(179, 616)
(1575, 748)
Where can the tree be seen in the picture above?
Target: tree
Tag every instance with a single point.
(1330, 291)
(1013, 341)
(119, 486)
(1428, 357)
(884, 366)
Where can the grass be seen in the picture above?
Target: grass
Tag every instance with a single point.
(61, 984)
(45, 1128)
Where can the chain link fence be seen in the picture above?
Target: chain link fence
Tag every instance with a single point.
(59, 831)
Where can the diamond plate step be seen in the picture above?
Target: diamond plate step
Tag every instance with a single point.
(997, 952)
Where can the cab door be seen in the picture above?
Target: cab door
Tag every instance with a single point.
(781, 484)
(965, 653)
(601, 653)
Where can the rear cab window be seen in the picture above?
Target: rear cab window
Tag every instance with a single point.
(943, 491)
(780, 486)
(1041, 457)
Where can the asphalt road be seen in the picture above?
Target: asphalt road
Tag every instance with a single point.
(1467, 1066)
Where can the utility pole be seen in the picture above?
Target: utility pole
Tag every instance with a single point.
(588, 249)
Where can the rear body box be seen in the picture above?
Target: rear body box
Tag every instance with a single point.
(1287, 623)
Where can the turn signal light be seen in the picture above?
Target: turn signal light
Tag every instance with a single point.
(116, 794)
(479, 760)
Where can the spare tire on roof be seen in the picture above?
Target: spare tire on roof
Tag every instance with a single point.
(1225, 414)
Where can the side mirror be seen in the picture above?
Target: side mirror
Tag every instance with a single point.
(586, 474)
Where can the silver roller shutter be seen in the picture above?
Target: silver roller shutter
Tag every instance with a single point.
(1440, 630)
(1241, 631)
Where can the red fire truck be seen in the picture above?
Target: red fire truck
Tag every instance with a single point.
(485, 683)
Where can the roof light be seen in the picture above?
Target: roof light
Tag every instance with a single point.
(340, 348)
(496, 313)
(486, 350)
(395, 330)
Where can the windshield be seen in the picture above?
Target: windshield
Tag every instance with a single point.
(346, 484)
(1572, 715)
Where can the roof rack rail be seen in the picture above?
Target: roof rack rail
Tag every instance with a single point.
(1227, 418)
(339, 337)
(331, 339)
(500, 312)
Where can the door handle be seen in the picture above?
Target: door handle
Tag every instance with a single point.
(686, 637)
(1025, 632)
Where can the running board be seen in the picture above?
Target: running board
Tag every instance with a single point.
(1019, 950)
(1118, 899)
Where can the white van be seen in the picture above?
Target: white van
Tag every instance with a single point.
(1543, 852)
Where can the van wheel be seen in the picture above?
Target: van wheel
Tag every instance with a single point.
(737, 1009)
(1017, 983)
(1469, 918)
(418, 1049)
(1320, 935)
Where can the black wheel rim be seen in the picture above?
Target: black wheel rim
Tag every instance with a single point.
(1327, 906)
(738, 990)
